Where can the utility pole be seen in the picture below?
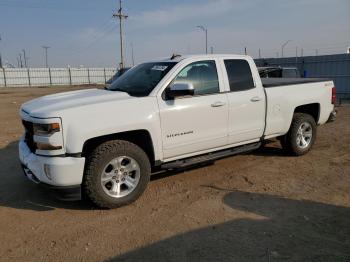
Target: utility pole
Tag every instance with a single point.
(20, 59)
(18, 64)
(259, 53)
(302, 52)
(245, 50)
(46, 60)
(282, 47)
(120, 16)
(132, 54)
(206, 37)
(212, 50)
(27, 58)
(0, 56)
(24, 58)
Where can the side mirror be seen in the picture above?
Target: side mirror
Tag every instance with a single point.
(179, 89)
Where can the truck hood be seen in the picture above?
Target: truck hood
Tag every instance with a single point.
(52, 105)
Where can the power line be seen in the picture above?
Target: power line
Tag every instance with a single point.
(102, 28)
(101, 35)
(43, 5)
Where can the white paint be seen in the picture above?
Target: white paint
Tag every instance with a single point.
(180, 128)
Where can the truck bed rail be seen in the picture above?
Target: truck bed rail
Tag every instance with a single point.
(274, 82)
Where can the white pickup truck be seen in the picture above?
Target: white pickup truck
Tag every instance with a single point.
(165, 114)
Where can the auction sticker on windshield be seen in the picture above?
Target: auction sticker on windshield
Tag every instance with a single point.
(159, 67)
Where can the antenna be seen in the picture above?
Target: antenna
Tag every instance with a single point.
(174, 56)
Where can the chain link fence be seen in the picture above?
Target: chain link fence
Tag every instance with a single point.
(12, 77)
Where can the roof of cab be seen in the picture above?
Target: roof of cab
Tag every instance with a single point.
(179, 58)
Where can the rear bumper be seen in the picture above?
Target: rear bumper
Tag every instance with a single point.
(332, 116)
(62, 175)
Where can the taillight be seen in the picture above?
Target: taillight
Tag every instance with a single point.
(334, 96)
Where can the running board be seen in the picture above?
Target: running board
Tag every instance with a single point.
(183, 163)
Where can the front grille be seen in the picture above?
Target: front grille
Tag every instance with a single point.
(29, 133)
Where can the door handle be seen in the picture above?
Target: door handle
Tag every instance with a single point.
(255, 99)
(217, 104)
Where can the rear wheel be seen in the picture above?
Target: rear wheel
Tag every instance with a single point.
(116, 174)
(301, 135)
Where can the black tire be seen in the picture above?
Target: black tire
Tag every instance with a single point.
(289, 141)
(97, 161)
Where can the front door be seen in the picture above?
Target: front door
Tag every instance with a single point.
(195, 123)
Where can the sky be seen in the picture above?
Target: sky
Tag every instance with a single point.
(84, 33)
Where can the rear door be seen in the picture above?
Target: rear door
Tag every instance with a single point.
(246, 102)
(191, 124)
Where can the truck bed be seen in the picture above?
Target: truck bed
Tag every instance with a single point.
(274, 82)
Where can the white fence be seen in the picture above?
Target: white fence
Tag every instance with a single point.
(10, 77)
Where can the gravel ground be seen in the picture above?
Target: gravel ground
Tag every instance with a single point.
(262, 206)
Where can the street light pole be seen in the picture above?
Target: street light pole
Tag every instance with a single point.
(46, 60)
(132, 54)
(206, 37)
(20, 59)
(282, 47)
(24, 57)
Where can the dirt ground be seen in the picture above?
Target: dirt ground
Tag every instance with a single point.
(262, 206)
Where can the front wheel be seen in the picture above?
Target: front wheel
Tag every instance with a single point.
(301, 135)
(117, 172)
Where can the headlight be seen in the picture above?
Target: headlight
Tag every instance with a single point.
(47, 137)
(46, 129)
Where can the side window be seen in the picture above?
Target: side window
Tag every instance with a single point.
(239, 75)
(290, 73)
(276, 73)
(202, 75)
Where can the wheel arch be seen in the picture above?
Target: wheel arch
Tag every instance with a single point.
(140, 137)
(312, 109)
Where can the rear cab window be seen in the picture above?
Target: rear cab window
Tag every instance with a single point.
(290, 73)
(239, 75)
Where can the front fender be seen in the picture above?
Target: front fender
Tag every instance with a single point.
(80, 126)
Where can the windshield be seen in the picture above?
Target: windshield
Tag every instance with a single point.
(142, 79)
